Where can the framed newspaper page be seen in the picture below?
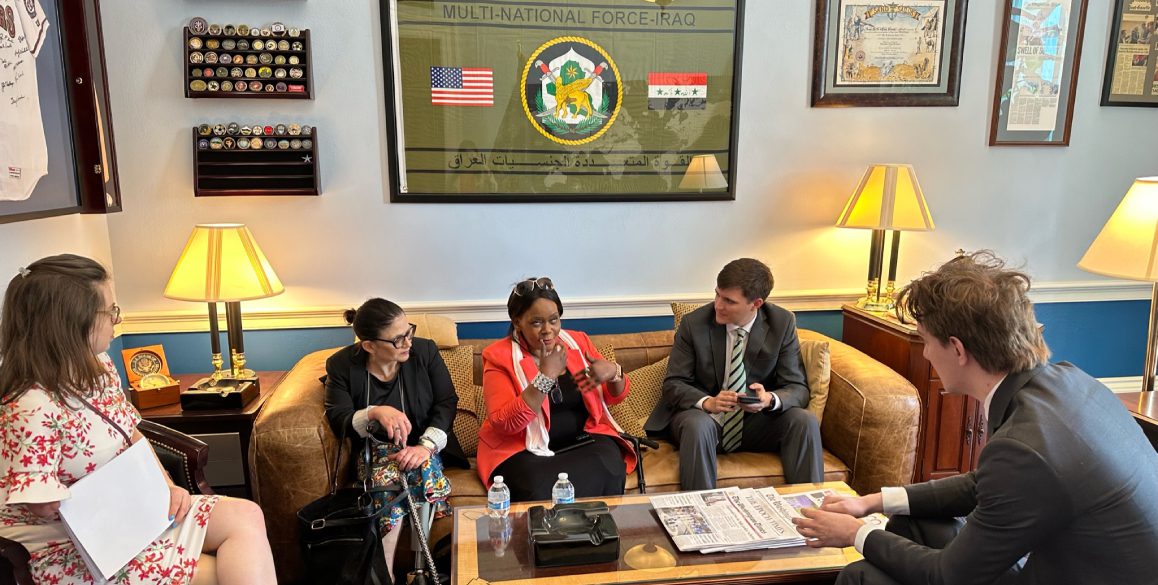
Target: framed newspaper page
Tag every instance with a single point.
(553, 101)
(1037, 71)
(1132, 59)
(887, 52)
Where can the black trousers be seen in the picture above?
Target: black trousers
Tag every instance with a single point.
(793, 433)
(595, 470)
(931, 532)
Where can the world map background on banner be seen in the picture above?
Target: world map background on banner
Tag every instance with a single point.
(571, 99)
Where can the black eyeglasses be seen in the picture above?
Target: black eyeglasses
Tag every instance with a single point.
(526, 286)
(398, 341)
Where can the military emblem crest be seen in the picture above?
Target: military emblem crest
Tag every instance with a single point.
(571, 90)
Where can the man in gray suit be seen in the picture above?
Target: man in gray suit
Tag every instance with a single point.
(1066, 490)
(735, 382)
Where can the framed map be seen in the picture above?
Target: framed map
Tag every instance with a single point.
(887, 53)
(553, 101)
(1037, 71)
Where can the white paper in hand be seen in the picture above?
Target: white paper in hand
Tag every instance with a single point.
(117, 510)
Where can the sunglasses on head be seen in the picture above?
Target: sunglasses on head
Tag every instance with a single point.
(530, 284)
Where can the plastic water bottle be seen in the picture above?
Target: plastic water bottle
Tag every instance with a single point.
(563, 492)
(498, 499)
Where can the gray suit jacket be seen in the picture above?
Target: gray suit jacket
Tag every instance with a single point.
(1067, 477)
(698, 357)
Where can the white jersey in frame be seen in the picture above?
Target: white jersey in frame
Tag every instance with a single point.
(23, 151)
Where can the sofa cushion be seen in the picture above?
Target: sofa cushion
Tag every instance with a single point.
(743, 469)
(441, 330)
(679, 310)
(646, 388)
(818, 372)
(468, 418)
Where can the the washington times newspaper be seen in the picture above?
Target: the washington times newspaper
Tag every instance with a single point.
(735, 519)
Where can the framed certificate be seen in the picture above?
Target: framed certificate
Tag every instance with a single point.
(887, 53)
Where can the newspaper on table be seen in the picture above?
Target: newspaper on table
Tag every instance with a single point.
(735, 519)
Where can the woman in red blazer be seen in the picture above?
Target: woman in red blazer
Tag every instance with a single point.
(546, 392)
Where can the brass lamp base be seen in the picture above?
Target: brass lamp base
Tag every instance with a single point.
(875, 300)
(875, 305)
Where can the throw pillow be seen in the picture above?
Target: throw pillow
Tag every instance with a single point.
(682, 309)
(469, 416)
(441, 330)
(818, 371)
(646, 389)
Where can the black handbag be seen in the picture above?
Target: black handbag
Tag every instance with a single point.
(340, 539)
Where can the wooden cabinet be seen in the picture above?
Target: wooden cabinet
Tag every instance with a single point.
(952, 425)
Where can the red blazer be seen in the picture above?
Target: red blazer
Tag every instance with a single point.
(504, 432)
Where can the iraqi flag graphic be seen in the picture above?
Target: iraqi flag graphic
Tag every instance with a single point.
(677, 91)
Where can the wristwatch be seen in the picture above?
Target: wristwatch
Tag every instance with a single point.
(618, 373)
(542, 383)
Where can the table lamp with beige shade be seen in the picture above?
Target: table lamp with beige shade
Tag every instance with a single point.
(223, 263)
(703, 173)
(1127, 247)
(887, 198)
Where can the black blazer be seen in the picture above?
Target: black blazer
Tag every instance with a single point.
(430, 395)
(698, 357)
(1067, 477)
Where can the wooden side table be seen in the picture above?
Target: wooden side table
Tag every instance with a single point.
(240, 421)
(1144, 407)
(953, 426)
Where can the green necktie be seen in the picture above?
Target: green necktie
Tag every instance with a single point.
(734, 421)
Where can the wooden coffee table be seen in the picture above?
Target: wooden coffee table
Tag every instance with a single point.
(481, 558)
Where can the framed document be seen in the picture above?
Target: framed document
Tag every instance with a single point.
(1037, 71)
(552, 100)
(1132, 59)
(887, 52)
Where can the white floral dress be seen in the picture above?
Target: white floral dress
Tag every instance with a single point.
(46, 446)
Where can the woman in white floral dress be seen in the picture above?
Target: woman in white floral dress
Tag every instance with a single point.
(63, 415)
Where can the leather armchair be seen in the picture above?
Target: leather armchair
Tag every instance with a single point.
(184, 457)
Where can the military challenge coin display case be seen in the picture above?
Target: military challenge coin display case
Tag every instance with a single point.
(256, 159)
(242, 61)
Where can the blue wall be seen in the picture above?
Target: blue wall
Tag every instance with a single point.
(1106, 339)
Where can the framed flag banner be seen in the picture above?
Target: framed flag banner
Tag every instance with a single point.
(1132, 59)
(552, 100)
(1037, 72)
(887, 52)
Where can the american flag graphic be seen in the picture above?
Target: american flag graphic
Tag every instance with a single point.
(462, 86)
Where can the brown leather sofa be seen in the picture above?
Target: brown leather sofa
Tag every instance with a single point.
(869, 432)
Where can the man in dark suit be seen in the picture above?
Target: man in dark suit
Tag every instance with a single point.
(1066, 489)
(735, 382)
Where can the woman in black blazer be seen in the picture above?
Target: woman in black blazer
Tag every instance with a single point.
(411, 408)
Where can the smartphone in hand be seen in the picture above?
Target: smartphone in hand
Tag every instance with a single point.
(747, 399)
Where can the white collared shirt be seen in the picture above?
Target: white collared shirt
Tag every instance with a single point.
(731, 341)
(895, 500)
